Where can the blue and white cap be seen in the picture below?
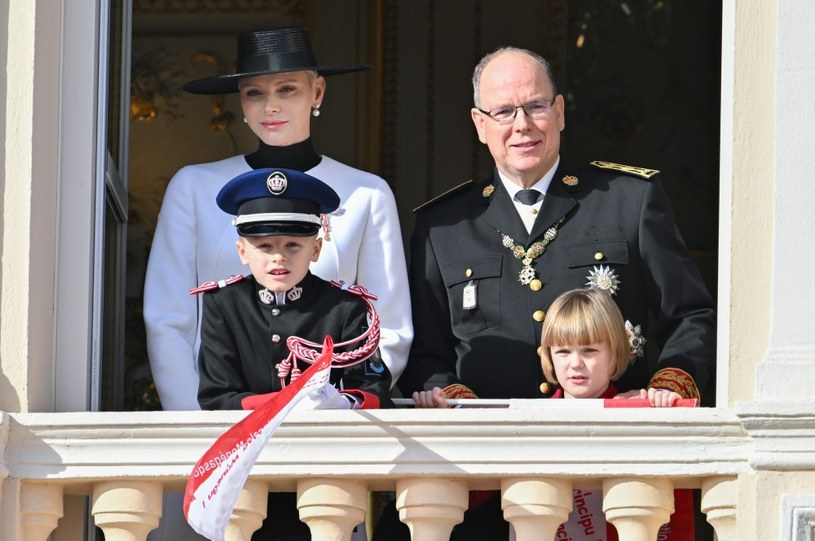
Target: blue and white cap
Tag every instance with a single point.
(277, 202)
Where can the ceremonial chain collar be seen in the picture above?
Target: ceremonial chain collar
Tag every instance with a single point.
(526, 257)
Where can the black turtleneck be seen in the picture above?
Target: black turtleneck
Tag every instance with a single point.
(299, 156)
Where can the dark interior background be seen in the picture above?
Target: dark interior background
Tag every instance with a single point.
(640, 79)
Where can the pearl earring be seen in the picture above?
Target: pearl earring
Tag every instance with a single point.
(245, 121)
(316, 111)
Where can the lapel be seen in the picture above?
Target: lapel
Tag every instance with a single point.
(502, 214)
(557, 202)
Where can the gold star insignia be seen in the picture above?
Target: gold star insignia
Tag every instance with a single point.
(570, 180)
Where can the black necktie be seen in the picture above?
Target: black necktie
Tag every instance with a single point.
(528, 197)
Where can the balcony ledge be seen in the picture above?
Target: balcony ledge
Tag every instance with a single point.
(382, 446)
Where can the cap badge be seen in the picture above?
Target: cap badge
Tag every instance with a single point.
(276, 183)
(570, 180)
(487, 191)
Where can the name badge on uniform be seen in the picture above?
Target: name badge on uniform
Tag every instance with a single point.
(470, 296)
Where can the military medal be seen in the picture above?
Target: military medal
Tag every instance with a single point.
(635, 340)
(603, 278)
(527, 275)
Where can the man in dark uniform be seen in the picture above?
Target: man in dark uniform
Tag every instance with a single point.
(245, 356)
(487, 259)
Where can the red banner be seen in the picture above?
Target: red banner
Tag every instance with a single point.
(218, 476)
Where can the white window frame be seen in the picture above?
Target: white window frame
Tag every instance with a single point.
(87, 178)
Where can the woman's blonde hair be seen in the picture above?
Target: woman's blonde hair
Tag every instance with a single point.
(581, 317)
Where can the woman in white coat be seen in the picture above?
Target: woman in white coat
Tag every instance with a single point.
(281, 89)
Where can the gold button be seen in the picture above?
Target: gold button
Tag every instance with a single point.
(538, 315)
(468, 273)
(598, 256)
(535, 285)
(534, 211)
(539, 350)
(546, 388)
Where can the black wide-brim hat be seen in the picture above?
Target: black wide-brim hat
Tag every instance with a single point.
(277, 202)
(279, 50)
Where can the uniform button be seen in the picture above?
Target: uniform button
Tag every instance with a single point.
(275, 312)
(534, 211)
(538, 315)
(546, 388)
(468, 273)
(535, 285)
(275, 338)
(598, 256)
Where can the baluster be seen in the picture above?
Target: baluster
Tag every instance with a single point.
(40, 510)
(431, 507)
(249, 512)
(536, 507)
(719, 497)
(638, 507)
(332, 508)
(127, 510)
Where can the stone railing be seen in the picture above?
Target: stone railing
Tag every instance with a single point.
(430, 458)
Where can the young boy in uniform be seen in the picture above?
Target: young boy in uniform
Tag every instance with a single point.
(254, 329)
(247, 322)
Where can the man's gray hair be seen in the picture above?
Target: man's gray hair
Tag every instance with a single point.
(479, 69)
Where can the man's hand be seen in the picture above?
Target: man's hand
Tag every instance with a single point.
(430, 399)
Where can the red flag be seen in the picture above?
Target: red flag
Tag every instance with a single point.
(643, 403)
(218, 476)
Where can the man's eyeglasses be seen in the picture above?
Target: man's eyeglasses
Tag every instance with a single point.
(507, 113)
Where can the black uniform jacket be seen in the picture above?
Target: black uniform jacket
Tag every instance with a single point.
(243, 339)
(612, 219)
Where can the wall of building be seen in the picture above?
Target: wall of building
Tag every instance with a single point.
(766, 226)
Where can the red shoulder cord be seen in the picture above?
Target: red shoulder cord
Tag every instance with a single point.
(307, 351)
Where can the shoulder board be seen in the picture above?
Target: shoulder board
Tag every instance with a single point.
(443, 196)
(212, 285)
(641, 172)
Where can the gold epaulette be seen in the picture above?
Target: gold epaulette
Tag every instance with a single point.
(443, 196)
(641, 172)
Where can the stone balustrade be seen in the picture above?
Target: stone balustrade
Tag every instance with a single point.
(430, 459)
